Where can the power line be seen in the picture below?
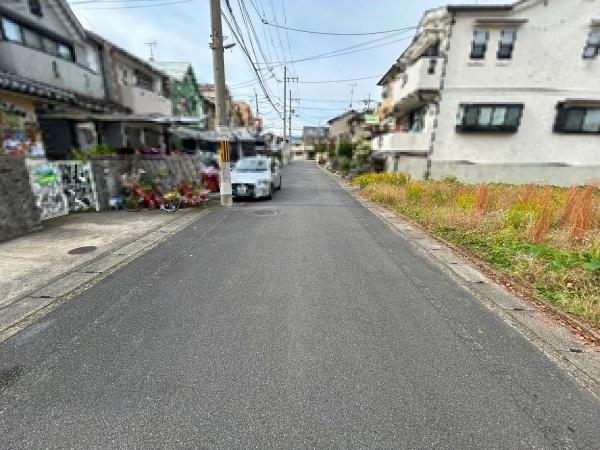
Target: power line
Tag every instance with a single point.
(336, 34)
(152, 5)
(249, 58)
(340, 81)
(335, 53)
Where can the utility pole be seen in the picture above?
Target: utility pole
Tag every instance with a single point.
(285, 80)
(352, 93)
(256, 99)
(284, 109)
(222, 122)
(151, 44)
(291, 112)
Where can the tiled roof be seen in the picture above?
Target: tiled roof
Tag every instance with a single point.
(20, 84)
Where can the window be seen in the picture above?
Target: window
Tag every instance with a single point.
(489, 117)
(50, 46)
(23, 35)
(11, 31)
(592, 46)
(144, 81)
(32, 39)
(35, 7)
(479, 46)
(577, 120)
(507, 44)
(432, 66)
(65, 52)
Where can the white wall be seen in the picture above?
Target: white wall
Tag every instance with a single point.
(141, 101)
(417, 77)
(547, 67)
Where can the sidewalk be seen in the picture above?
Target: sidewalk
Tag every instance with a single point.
(45, 265)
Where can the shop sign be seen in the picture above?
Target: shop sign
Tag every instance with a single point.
(371, 119)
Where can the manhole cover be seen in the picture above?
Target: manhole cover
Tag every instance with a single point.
(264, 212)
(82, 250)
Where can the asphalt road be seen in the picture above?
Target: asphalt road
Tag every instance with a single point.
(303, 322)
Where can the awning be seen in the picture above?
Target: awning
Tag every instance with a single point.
(91, 117)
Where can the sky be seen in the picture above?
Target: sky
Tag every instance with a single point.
(181, 30)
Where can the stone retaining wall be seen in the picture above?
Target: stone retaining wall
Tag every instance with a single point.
(18, 210)
(20, 214)
(108, 170)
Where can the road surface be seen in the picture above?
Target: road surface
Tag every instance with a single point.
(302, 322)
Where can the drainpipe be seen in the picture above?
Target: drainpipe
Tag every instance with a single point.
(441, 89)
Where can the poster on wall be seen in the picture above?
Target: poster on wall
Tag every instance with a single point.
(18, 136)
(61, 187)
(47, 187)
(78, 184)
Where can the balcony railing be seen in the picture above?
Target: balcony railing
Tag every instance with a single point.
(142, 101)
(423, 75)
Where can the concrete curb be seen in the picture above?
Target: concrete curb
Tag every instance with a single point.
(554, 339)
(27, 309)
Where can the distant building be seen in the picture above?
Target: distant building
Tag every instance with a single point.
(315, 135)
(241, 115)
(210, 110)
(497, 93)
(346, 127)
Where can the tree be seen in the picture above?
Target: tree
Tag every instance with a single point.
(346, 149)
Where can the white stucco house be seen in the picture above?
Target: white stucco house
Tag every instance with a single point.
(497, 93)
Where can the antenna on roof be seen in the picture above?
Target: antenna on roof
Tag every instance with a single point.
(151, 44)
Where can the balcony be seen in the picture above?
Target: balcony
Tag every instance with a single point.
(424, 75)
(42, 67)
(402, 142)
(143, 101)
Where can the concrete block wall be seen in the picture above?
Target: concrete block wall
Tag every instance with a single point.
(18, 210)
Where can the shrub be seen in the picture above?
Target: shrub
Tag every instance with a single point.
(394, 179)
(346, 149)
(345, 164)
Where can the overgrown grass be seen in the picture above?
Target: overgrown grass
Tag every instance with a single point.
(546, 236)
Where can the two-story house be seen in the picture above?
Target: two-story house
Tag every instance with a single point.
(140, 87)
(515, 98)
(47, 63)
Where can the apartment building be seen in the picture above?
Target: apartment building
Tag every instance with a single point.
(498, 93)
